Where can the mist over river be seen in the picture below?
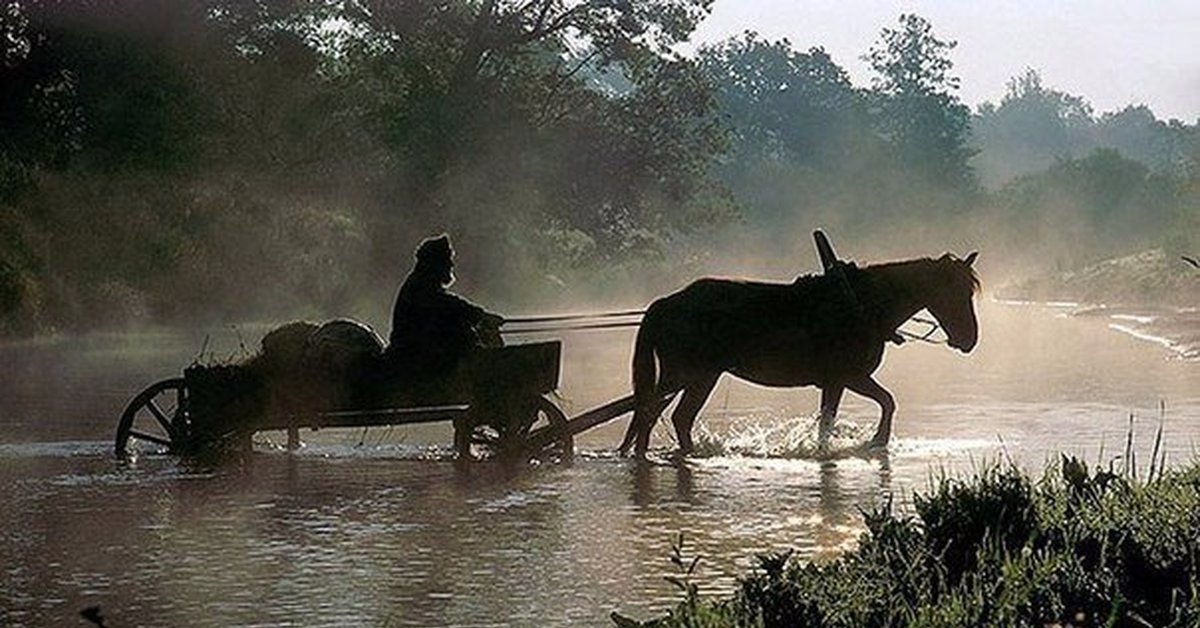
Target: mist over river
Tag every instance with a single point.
(380, 528)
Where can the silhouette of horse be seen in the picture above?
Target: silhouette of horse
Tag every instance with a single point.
(828, 331)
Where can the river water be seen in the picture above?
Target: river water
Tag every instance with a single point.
(379, 528)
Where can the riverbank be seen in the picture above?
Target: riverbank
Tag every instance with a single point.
(1149, 278)
(1153, 296)
(1077, 547)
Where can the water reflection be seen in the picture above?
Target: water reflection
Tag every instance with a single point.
(382, 529)
(649, 479)
(344, 541)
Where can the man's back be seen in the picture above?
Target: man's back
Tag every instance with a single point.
(429, 320)
(433, 329)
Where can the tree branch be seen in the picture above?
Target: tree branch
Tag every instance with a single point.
(562, 79)
(563, 21)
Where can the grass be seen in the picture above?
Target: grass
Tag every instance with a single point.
(1077, 547)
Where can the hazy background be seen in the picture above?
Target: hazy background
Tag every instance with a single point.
(212, 162)
(1113, 53)
(205, 164)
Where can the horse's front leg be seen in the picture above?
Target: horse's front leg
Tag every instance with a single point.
(871, 389)
(831, 397)
(684, 417)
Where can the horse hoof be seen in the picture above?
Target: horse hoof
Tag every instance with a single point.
(877, 443)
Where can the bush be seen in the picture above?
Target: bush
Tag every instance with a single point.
(1077, 548)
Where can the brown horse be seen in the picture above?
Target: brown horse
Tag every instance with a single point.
(828, 331)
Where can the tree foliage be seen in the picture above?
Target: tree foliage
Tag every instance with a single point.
(1081, 210)
(783, 104)
(914, 89)
(798, 128)
(317, 141)
(1031, 127)
(1034, 126)
(158, 158)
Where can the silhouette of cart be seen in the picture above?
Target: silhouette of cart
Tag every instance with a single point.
(502, 399)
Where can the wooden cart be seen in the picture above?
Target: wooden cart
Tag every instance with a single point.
(503, 401)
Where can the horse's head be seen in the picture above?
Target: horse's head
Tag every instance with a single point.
(950, 300)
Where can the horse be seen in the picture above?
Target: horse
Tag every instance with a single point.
(827, 331)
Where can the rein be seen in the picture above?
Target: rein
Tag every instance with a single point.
(926, 337)
(577, 327)
(572, 317)
(572, 322)
(597, 320)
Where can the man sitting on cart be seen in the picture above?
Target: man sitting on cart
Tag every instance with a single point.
(433, 328)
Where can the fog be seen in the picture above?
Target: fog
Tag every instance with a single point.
(177, 179)
(212, 165)
(1113, 53)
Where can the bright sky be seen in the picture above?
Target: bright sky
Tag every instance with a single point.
(1111, 52)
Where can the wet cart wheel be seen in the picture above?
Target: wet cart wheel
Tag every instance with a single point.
(511, 444)
(547, 413)
(157, 416)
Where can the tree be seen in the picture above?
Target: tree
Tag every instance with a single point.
(1031, 127)
(1140, 135)
(458, 54)
(783, 104)
(919, 113)
(1035, 126)
(495, 102)
(99, 81)
(313, 140)
(1099, 206)
(798, 130)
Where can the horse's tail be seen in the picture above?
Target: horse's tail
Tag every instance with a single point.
(645, 380)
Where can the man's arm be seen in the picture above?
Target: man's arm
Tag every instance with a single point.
(472, 313)
(483, 324)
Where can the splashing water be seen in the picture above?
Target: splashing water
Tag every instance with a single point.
(762, 436)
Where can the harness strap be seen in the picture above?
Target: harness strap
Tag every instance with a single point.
(836, 268)
(825, 250)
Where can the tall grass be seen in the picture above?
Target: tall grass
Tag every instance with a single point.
(1077, 547)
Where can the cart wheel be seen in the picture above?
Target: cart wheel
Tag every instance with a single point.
(547, 413)
(542, 414)
(157, 415)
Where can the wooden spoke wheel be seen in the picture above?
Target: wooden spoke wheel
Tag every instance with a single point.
(544, 414)
(157, 417)
(548, 415)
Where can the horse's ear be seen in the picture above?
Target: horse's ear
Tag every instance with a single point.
(971, 257)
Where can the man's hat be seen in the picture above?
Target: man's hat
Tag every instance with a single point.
(435, 249)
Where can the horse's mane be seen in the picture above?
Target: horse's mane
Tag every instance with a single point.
(965, 271)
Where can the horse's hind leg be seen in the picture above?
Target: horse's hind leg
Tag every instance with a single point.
(871, 389)
(644, 417)
(684, 416)
(831, 398)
